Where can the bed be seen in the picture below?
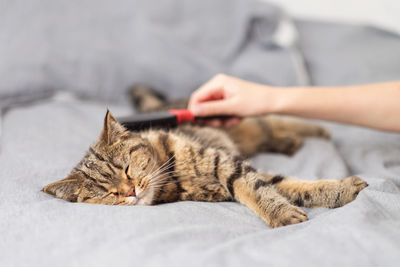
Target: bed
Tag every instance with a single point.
(64, 63)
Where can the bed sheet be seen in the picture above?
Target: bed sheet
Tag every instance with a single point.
(41, 144)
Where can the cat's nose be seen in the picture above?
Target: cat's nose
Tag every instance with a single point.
(131, 192)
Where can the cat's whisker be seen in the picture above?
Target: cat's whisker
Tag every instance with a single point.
(167, 161)
(164, 175)
(160, 180)
(155, 157)
(159, 168)
(163, 184)
(163, 169)
(171, 172)
(168, 166)
(164, 165)
(158, 186)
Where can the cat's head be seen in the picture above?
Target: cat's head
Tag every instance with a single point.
(116, 170)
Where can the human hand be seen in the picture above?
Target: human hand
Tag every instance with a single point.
(226, 95)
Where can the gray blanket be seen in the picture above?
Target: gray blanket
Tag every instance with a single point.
(42, 141)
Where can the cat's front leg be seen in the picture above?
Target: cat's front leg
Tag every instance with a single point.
(216, 175)
(249, 187)
(322, 193)
(264, 200)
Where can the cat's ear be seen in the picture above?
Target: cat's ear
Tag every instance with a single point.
(112, 129)
(67, 188)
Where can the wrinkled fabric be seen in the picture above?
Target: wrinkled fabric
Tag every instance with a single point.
(42, 143)
(97, 48)
(93, 49)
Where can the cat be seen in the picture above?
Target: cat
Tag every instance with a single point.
(200, 163)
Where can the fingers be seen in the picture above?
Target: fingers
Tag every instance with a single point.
(206, 93)
(214, 122)
(214, 98)
(221, 122)
(216, 107)
(232, 122)
(210, 100)
(214, 89)
(226, 95)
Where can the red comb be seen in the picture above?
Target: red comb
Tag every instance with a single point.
(182, 115)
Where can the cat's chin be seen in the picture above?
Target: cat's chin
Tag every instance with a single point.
(139, 201)
(144, 202)
(142, 198)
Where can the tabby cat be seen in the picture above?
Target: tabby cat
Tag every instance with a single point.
(200, 164)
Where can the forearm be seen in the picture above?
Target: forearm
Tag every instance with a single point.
(375, 105)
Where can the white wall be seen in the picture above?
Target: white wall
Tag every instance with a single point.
(384, 13)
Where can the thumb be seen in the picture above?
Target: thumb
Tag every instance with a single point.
(210, 108)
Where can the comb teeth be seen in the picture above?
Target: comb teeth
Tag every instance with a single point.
(145, 121)
(169, 119)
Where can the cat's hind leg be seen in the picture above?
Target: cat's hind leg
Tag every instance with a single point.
(322, 193)
(298, 127)
(273, 134)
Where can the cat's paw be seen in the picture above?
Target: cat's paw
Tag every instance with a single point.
(289, 215)
(316, 131)
(352, 187)
(323, 133)
(294, 145)
(287, 144)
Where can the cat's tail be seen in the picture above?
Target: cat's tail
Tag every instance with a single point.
(147, 99)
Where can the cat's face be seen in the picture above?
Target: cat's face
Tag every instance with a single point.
(118, 169)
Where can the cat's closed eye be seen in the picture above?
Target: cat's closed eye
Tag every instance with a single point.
(127, 173)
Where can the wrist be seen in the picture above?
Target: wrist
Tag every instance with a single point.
(276, 100)
(288, 100)
(261, 97)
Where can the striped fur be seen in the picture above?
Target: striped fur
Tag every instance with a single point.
(201, 164)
